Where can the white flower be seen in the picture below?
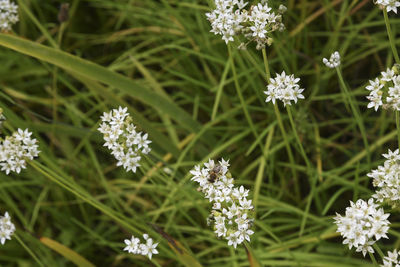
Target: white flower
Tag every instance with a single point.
(148, 248)
(230, 19)
(234, 239)
(240, 193)
(8, 14)
(389, 80)
(7, 228)
(390, 5)
(387, 179)
(334, 60)
(134, 246)
(391, 260)
(230, 209)
(16, 150)
(387, 75)
(121, 137)
(285, 88)
(362, 225)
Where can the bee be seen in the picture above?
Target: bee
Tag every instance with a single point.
(215, 173)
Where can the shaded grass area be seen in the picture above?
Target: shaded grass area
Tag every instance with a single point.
(176, 79)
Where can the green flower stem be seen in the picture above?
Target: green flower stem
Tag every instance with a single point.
(373, 259)
(312, 175)
(391, 37)
(282, 129)
(266, 65)
(378, 249)
(30, 252)
(355, 112)
(296, 135)
(242, 102)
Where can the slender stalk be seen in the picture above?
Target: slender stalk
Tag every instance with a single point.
(391, 37)
(55, 79)
(242, 102)
(378, 249)
(373, 259)
(155, 263)
(266, 65)
(282, 129)
(313, 176)
(355, 113)
(302, 151)
(30, 252)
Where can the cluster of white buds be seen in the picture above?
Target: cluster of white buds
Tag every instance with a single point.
(285, 88)
(127, 145)
(334, 60)
(391, 260)
(230, 19)
(387, 178)
(8, 14)
(362, 225)
(16, 150)
(7, 228)
(134, 246)
(389, 81)
(389, 5)
(231, 210)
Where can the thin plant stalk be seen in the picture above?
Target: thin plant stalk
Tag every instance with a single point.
(355, 112)
(371, 255)
(396, 58)
(30, 252)
(313, 176)
(378, 249)
(242, 102)
(302, 151)
(282, 128)
(391, 37)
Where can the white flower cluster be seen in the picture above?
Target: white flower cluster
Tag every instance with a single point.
(334, 60)
(387, 179)
(7, 228)
(391, 260)
(127, 145)
(230, 213)
(390, 5)
(16, 149)
(389, 81)
(229, 19)
(146, 249)
(285, 88)
(8, 14)
(362, 225)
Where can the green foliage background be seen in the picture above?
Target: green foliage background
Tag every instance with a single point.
(159, 59)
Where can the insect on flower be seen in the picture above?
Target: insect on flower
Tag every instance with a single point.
(215, 173)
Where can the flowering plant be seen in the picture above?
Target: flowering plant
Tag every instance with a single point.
(230, 19)
(231, 210)
(127, 145)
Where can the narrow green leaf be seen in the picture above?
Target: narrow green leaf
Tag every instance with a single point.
(66, 252)
(183, 255)
(99, 73)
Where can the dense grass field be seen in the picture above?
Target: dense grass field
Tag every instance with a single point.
(198, 99)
